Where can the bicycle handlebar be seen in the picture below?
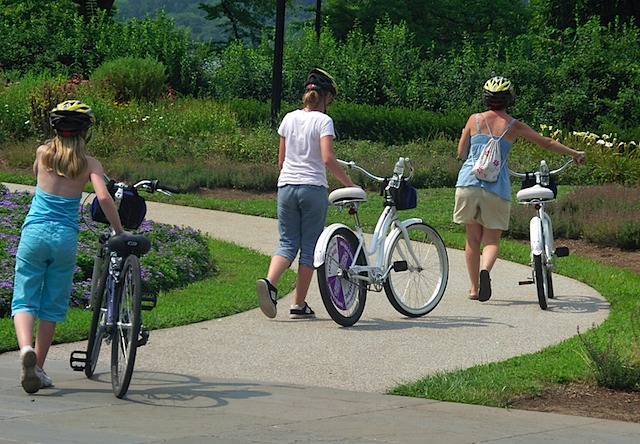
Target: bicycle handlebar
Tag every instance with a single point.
(352, 165)
(152, 186)
(551, 173)
(148, 185)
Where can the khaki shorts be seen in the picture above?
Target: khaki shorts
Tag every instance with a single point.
(475, 205)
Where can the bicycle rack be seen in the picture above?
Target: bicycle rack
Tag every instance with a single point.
(78, 360)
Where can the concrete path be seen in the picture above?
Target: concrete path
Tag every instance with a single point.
(246, 378)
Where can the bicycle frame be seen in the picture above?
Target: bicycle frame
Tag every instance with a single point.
(541, 232)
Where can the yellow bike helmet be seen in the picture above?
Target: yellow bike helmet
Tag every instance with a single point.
(320, 80)
(71, 118)
(497, 93)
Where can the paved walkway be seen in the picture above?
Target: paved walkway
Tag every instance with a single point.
(246, 378)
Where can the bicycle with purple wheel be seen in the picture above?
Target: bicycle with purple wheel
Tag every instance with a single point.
(411, 263)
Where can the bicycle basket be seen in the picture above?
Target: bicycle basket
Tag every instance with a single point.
(132, 209)
(530, 180)
(405, 196)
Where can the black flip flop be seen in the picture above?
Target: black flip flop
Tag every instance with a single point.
(485, 286)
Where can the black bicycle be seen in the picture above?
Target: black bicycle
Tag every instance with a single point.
(117, 300)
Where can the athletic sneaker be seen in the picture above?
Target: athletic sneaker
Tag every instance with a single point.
(267, 297)
(29, 379)
(45, 380)
(304, 312)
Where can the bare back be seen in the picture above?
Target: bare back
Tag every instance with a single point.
(51, 183)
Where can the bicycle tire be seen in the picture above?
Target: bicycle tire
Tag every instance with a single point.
(550, 293)
(417, 289)
(343, 299)
(97, 329)
(127, 328)
(540, 278)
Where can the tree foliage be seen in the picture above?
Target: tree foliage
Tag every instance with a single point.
(440, 25)
(563, 14)
(245, 19)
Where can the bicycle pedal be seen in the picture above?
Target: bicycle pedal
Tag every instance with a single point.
(562, 251)
(527, 282)
(400, 266)
(78, 360)
(148, 301)
(144, 337)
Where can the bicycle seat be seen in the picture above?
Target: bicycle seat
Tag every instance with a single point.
(535, 193)
(347, 195)
(124, 244)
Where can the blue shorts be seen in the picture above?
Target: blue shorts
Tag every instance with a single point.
(45, 262)
(302, 211)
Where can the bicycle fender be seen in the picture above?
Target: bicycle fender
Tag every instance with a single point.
(393, 234)
(535, 233)
(321, 244)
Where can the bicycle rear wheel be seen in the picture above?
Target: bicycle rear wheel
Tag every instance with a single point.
(414, 288)
(97, 329)
(343, 298)
(127, 329)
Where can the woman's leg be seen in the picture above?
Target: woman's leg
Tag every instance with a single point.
(44, 338)
(23, 323)
(303, 282)
(313, 206)
(490, 247)
(277, 266)
(472, 255)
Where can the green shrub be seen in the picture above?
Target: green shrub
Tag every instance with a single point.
(612, 365)
(15, 110)
(129, 78)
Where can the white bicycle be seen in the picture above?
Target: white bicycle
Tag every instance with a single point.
(411, 263)
(543, 250)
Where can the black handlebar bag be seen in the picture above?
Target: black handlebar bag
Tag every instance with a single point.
(133, 208)
(404, 196)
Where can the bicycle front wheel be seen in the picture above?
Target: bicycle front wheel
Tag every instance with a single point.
(97, 329)
(127, 329)
(416, 282)
(541, 276)
(343, 298)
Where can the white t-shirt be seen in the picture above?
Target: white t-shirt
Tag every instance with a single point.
(303, 163)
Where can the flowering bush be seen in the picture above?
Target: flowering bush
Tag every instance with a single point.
(178, 255)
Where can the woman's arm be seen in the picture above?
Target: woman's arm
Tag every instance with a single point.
(464, 144)
(96, 175)
(547, 143)
(282, 151)
(329, 159)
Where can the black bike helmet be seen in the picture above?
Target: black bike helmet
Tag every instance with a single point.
(320, 80)
(497, 93)
(71, 118)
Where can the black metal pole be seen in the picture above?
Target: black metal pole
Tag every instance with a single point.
(276, 87)
(318, 18)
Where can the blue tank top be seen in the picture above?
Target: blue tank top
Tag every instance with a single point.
(47, 207)
(502, 186)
